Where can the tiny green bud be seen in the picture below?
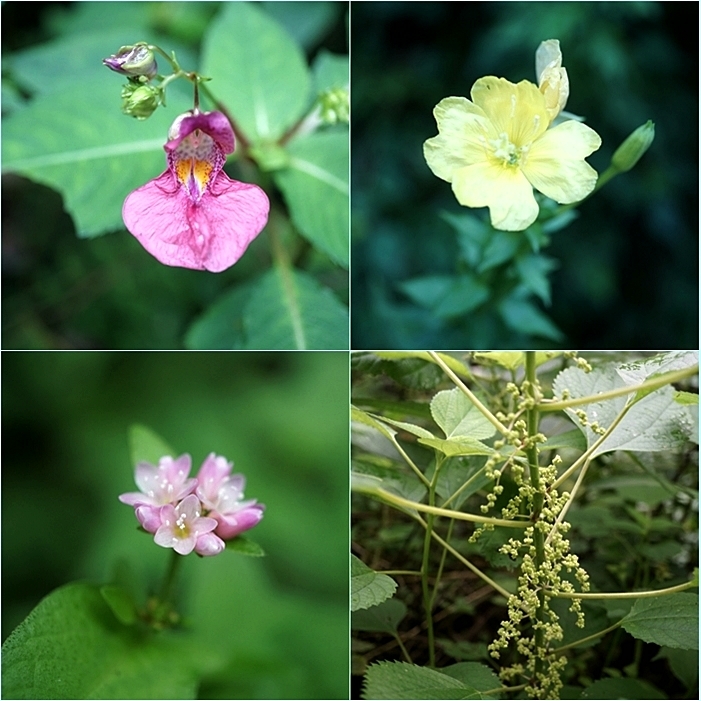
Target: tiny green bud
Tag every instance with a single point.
(334, 106)
(140, 101)
(633, 148)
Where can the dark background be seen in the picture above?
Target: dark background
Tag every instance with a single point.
(628, 275)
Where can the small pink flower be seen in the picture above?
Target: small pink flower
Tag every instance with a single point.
(183, 527)
(193, 215)
(222, 494)
(165, 483)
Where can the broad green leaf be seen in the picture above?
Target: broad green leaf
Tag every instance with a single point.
(401, 680)
(671, 620)
(315, 186)
(655, 422)
(368, 420)
(408, 369)
(640, 370)
(452, 447)
(121, 603)
(475, 675)
(415, 430)
(289, 310)
(146, 445)
(514, 359)
(382, 618)
(306, 22)
(260, 71)
(622, 689)
(533, 272)
(454, 364)
(447, 295)
(524, 317)
(330, 71)
(78, 142)
(569, 439)
(500, 247)
(71, 646)
(243, 545)
(368, 588)
(458, 417)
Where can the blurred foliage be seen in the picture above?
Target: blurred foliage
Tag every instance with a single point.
(61, 116)
(628, 265)
(277, 626)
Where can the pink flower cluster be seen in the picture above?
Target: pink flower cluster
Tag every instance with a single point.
(197, 513)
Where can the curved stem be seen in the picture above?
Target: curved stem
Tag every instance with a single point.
(166, 593)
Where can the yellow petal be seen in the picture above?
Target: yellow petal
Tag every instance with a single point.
(461, 141)
(506, 191)
(517, 110)
(555, 165)
(552, 77)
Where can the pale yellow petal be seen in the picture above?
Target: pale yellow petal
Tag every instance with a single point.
(507, 193)
(461, 140)
(555, 165)
(552, 77)
(517, 110)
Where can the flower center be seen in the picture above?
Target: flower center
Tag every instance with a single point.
(182, 528)
(195, 162)
(506, 152)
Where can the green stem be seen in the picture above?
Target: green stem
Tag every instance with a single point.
(166, 593)
(424, 581)
(466, 391)
(594, 636)
(649, 385)
(532, 422)
(626, 594)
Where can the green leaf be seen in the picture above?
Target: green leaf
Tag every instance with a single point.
(243, 545)
(147, 446)
(453, 447)
(454, 364)
(501, 246)
(671, 620)
(622, 689)
(533, 272)
(368, 588)
(315, 186)
(260, 72)
(456, 473)
(289, 310)
(684, 664)
(72, 647)
(401, 680)
(78, 142)
(447, 295)
(330, 71)
(121, 603)
(514, 359)
(365, 418)
(569, 439)
(521, 316)
(382, 618)
(306, 22)
(457, 416)
(415, 430)
(654, 423)
(640, 370)
(474, 674)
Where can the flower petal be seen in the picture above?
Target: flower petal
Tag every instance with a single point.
(461, 141)
(505, 190)
(210, 235)
(555, 165)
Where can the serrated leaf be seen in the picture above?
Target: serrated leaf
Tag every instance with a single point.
(290, 310)
(243, 545)
(476, 675)
(71, 647)
(146, 445)
(315, 186)
(640, 370)
(401, 680)
(261, 73)
(655, 422)
(621, 689)
(382, 618)
(458, 416)
(368, 588)
(671, 620)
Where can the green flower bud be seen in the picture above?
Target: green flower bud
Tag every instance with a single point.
(334, 106)
(632, 149)
(140, 101)
(133, 61)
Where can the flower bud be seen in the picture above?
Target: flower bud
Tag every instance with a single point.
(140, 101)
(133, 61)
(632, 149)
(334, 106)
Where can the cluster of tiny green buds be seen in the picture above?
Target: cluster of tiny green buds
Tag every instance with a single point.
(334, 106)
(593, 425)
(634, 147)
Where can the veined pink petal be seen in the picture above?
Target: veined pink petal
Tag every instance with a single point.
(210, 235)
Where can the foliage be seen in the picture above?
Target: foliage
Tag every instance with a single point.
(562, 563)
(65, 131)
(620, 271)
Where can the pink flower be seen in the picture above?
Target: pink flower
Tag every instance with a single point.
(193, 215)
(222, 494)
(184, 529)
(165, 483)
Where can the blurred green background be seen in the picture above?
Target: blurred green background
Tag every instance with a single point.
(628, 275)
(62, 292)
(281, 621)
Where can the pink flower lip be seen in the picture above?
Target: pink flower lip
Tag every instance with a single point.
(193, 215)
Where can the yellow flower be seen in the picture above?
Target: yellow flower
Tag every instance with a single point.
(496, 148)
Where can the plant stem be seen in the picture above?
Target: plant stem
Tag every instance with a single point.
(626, 594)
(166, 593)
(532, 422)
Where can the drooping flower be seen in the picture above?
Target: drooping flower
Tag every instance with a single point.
(497, 147)
(193, 215)
(222, 494)
(183, 526)
(133, 61)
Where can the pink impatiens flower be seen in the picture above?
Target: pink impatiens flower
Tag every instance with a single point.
(193, 215)
(222, 494)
